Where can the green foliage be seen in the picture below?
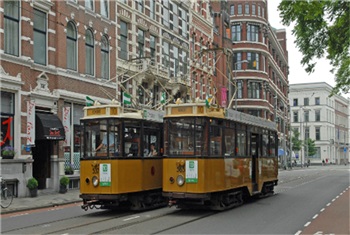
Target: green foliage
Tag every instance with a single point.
(311, 147)
(32, 183)
(68, 170)
(64, 180)
(295, 141)
(322, 29)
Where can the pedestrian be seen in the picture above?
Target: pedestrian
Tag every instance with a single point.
(323, 162)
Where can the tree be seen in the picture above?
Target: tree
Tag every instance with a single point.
(322, 29)
(311, 147)
(296, 143)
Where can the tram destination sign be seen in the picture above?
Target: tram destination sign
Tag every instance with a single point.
(249, 119)
(153, 115)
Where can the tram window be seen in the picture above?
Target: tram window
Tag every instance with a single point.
(152, 136)
(265, 142)
(132, 141)
(229, 135)
(215, 140)
(272, 146)
(241, 143)
(187, 136)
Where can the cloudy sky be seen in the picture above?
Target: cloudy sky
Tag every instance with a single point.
(297, 72)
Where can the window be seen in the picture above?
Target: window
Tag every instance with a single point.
(104, 8)
(89, 52)
(306, 115)
(39, 37)
(239, 9)
(232, 10)
(184, 62)
(11, 27)
(175, 24)
(253, 60)
(317, 115)
(236, 32)
(253, 10)
(295, 116)
(166, 54)
(176, 60)
(307, 133)
(306, 101)
(153, 48)
(123, 41)
(241, 143)
(7, 109)
(229, 141)
(141, 42)
(166, 13)
(139, 4)
(89, 4)
(259, 10)
(318, 133)
(252, 33)
(183, 19)
(104, 57)
(317, 101)
(152, 9)
(239, 89)
(246, 10)
(215, 139)
(71, 46)
(237, 61)
(295, 102)
(254, 90)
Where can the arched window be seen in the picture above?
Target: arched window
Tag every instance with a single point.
(71, 46)
(89, 52)
(104, 58)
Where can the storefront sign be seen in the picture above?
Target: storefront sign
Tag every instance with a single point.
(31, 122)
(66, 125)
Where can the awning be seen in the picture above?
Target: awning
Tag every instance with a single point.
(48, 127)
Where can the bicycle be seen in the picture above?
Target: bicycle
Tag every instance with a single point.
(6, 196)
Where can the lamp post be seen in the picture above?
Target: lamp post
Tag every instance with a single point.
(235, 78)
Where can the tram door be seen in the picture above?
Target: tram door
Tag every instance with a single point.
(255, 161)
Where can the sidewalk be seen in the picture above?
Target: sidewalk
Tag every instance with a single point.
(45, 198)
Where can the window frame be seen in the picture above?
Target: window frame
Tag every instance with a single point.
(40, 51)
(72, 58)
(12, 36)
(89, 48)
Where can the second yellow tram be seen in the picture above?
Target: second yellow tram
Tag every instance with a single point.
(215, 158)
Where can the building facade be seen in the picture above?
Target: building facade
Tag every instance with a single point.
(55, 54)
(257, 70)
(323, 119)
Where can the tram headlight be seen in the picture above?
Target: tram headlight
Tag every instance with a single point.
(180, 180)
(95, 181)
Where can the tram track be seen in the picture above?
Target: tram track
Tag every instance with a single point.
(46, 224)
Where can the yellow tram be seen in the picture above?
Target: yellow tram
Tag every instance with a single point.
(215, 158)
(119, 167)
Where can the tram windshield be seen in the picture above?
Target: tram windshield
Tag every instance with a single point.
(186, 136)
(101, 138)
(121, 138)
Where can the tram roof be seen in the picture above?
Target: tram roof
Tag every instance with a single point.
(200, 109)
(117, 111)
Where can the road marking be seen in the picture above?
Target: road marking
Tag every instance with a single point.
(328, 204)
(333, 199)
(298, 232)
(307, 224)
(134, 217)
(315, 216)
(322, 209)
(18, 215)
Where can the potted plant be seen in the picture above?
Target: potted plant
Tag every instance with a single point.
(8, 152)
(64, 181)
(68, 170)
(32, 184)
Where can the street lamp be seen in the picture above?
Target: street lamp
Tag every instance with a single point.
(235, 79)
